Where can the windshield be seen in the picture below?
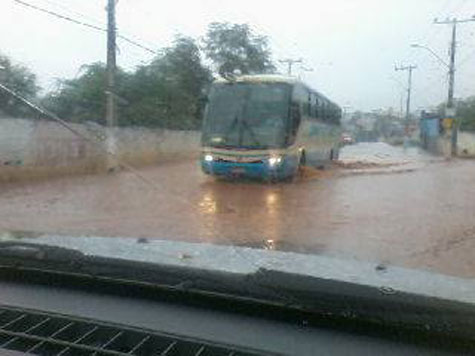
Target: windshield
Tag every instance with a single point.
(247, 115)
(307, 131)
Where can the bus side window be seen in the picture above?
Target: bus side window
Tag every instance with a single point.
(313, 108)
(309, 105)
(317, 108)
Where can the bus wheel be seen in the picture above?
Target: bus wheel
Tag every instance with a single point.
(334, 154)
(301, 165)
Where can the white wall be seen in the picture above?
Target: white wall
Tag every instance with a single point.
(14, 138)
(40, 148)
(466, 144)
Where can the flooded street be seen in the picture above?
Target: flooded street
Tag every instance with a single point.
(380, 203)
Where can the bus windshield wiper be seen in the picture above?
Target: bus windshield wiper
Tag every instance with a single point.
(47, 259)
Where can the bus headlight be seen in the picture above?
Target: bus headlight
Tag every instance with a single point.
(208, 158)
(274, 160)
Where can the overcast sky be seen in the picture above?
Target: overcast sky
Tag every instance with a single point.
(351, 45)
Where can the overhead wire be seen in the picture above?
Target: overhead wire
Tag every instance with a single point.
(74, 12)
(433, 33)
(152, 184)
(100, 22)
(96, 141)
(85, 24)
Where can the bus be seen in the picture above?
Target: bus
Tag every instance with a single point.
(267, 126)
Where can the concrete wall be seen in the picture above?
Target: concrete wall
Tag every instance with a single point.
(34, 149)
(14, 139)
(466, 144)
(441, 145)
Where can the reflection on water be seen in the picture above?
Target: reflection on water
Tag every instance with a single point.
(266, 216)
(242, 212)
(282, 245)
(269, 245)
(422, 219)
(271, 199)
(208, 204)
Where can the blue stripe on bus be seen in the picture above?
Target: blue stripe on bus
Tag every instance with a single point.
(285, 169)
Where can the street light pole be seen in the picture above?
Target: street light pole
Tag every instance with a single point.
(415, 45)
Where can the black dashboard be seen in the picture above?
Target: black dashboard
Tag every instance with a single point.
(111, 324)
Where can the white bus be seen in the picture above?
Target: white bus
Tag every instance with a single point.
(266, 126)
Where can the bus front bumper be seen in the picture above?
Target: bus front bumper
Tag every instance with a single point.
(256, 170)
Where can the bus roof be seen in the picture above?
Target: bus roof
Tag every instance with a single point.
(271, 78)
(261, 78)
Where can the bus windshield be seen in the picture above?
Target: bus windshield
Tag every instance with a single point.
(247, 115)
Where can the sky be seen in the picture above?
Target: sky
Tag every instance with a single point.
(349, 47)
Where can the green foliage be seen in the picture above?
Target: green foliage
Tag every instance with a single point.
(22, 81)
(466, 113)
(234, 47)
(165, 93)
(169, 91)
(83, 98)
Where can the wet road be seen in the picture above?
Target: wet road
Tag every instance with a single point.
(381, 204)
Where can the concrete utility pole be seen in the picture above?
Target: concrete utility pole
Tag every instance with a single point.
(409, 68)
(290, 63)
(111, 111)
(450, 108)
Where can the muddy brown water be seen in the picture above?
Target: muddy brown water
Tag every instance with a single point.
(423, 218)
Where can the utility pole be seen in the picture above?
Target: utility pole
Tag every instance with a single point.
(111, 112)
(290, 62)
(409, 68)
(450, 108)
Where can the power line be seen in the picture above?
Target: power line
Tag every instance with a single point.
(94, 141)
(430, 34)
(85, 24)
(63, 17)
(127, 35)
(97, 142)
(77, 13)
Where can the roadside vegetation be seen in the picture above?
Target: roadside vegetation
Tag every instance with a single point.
(168, 92)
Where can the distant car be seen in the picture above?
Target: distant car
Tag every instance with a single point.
(346, 139)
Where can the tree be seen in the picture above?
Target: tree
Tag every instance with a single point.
(164, 93)
(21, 80)
(83, 98)
(466, 113)
(235, 47)
(167, 91)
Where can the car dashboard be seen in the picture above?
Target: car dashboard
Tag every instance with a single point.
(50, 320)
